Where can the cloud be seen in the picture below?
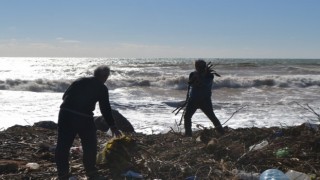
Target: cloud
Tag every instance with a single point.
(63, 40)
(61, 47)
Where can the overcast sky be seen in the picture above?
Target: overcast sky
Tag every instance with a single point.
(160, 28)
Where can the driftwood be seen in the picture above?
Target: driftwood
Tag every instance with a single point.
(207, 155)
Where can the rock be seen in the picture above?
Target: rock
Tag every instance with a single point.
(120, 121)
(212, 144)
(46, 124)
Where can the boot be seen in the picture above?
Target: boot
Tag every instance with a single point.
(220, 130)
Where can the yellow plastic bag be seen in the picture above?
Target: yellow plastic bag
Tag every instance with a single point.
(116, 152)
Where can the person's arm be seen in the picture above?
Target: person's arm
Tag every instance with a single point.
(106, 111)
(105, 107)
(191, 78)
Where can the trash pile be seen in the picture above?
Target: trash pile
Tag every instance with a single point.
(27, 152)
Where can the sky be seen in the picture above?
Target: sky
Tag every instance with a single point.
(160, 28)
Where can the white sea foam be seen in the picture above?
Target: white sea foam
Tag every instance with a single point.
(179, 82)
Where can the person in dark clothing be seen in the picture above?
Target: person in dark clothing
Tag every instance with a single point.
(200, 84)
(76, 118)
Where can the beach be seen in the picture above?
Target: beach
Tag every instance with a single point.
(153, 58)
(256, 100)
(239, 154)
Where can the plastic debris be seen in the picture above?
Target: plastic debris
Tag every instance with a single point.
(131, 174)
(273, 174)
(261, 145)
(76, 150)
(297, 175)
(192, 178)
(277, 134)
(246, 175)
(281, 153)
(33, 166)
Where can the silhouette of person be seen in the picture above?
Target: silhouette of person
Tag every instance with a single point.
(200, 83)
(76, 118)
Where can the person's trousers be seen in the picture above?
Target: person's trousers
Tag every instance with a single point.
(206, 106)
(70, 125)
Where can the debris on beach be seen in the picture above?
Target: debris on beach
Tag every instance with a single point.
(27, 152)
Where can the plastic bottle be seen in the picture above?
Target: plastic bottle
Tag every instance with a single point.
(33, 165)
(273, 174)
(261, 145)
(132, 175)
(297, 175)
(248, 176)
(281, 153)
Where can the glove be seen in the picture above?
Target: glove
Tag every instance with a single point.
(115, 131)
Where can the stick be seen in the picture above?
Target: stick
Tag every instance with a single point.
(234, 114)
(312, 110)
(27, 122)
(179, 108)
(183, 113)
(309, 109)
(184, 104)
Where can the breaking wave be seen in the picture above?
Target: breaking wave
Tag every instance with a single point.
(278, 81)
(178, 83)
(38, 85)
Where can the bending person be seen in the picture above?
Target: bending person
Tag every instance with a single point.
(76, 118)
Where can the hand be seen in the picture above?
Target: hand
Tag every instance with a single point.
(115, 131)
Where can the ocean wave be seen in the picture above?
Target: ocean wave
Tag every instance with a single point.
(177, 83)
(38, 85)
(180, 83)
(267, 81)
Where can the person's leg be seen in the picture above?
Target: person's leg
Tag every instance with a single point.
(88, 136)
(66, 135)
(190, 110)
(206, 107)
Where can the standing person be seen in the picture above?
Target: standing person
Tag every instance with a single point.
(76, 118)
(200, 84)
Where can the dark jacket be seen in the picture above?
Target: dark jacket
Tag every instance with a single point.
(200, 85)
(82, 96)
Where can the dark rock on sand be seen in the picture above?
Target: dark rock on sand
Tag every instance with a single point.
(46, 124)
(121, 122)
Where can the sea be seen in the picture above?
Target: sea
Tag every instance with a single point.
(249, 93)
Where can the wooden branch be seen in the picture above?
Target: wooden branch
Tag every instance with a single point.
(234, 114)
